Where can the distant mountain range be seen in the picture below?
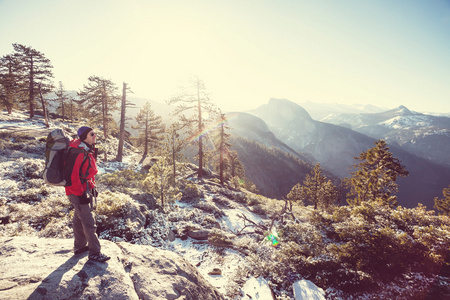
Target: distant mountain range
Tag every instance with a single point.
(320, 110)
(336, 146)
(420, 134)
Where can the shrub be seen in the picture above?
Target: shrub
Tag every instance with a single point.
(372, 242)
(52, 211)
(209, 221)
(220, 238)
(122, 180)
(209, 207)
(308, 238)
(112, 204)
(118, 217)
(191, 192)
(25, 169)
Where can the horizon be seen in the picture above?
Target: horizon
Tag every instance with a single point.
(380, 53)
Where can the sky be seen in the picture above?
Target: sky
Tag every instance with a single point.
(385, 53)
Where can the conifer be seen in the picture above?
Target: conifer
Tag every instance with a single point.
(222, 147)
(192, 108)
(375, 176)
(62, 99)
(9, 81)
(150, 129)
(99, 99)
(315, 189)
(235, 168)
(296, 194)
(443, 205)
(123, 120)
(35, 72)
(174, 147)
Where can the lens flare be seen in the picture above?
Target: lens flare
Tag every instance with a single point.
(274, 239)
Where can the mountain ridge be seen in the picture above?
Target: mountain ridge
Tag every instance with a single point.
(335, 148)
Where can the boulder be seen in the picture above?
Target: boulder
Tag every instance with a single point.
(306, 290)
(215, 271)
(199, 234)
(43, 268)
(257, 288)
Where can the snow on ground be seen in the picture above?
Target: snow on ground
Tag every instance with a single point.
(19, 120)
(233, 222)
(6, 183)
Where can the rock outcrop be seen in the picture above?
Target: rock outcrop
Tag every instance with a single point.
(38, 268)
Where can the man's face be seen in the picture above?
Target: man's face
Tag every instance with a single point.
(91, 136)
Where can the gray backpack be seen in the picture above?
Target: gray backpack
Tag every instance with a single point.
(55, 154)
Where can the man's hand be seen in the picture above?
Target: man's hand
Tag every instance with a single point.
(84, 199)
(94, 192)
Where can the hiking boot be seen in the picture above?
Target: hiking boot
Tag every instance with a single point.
(99, 257)
(81, 250)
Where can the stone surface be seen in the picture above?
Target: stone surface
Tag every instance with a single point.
(215, 271)
(257, 288)
(165, 274)
(38, 268)
(306, 290)
(199, 234)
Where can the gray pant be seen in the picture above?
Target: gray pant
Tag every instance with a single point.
(84, 227)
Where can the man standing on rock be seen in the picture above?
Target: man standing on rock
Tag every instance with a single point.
(80, 170)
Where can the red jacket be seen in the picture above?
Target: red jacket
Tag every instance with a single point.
(77, 180)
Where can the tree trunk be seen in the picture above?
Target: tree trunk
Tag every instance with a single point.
(173, 161)
(146, 141)
(105, 115)
(44, 108)
(31, 90)
(122, 123)
(221, 155)
(200, 128)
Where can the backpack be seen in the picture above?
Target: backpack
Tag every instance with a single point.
(56, 150)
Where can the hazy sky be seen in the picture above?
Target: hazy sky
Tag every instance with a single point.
(386, 52)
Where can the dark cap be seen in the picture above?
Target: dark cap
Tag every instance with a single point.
(83, 132)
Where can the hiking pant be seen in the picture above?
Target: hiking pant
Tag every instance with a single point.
(84, 227)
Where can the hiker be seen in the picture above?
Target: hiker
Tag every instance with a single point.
(80, 169)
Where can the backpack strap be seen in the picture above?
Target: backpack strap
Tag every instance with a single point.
(70, 163)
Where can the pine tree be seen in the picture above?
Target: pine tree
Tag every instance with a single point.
(44, 105)
(62, 99)
(443, 205)
(159, 181)
(72, 109)
(315, 189)
(123, 120)
(375, 176)
(297, 194)
(330, 195)
(222, 146)
(35, 70)
(196, 104)
(9, 81)
(313, 185)
(235, 168)
(150, 129)
(99, 99)
(174, 147)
